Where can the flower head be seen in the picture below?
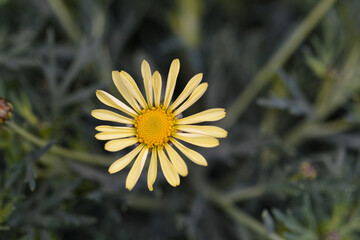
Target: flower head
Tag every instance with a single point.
(154, 125)
(5, 110)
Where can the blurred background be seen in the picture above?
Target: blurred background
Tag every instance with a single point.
(287, 71)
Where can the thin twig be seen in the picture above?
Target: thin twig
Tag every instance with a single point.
(239, 216)
(310, 129)
(279, 58)
(64, 152)
(245, 193)
(65, 18)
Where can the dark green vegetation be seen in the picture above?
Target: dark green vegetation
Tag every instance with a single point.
(287, 71)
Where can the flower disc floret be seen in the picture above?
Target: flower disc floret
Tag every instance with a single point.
(154, 126)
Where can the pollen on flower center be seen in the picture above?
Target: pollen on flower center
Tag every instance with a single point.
(154, 126)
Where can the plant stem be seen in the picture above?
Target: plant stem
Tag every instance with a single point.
(310, 129)
(245, 193)
(63, 14)
(276, 61)
(147, 203)
(237, 214)
(67, 153)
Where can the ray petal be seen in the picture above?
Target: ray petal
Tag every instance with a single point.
(171, 81)
(168, 169)
(157, 87)
(152, 169)
(209, 115)
(146, 74)
(189, 88)
(119, 144)
(197, 139)
(125, 160)
(212, 131)
(196, 94)
(191, 154)
(177, 161)
(114, 135)
(133, 88)
(121, 87)
(107, 128)
(107, 115)
(112, 101)
(136, 169)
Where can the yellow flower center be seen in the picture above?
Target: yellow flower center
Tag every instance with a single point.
(154, 126)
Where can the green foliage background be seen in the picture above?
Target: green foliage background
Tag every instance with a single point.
(287, 71)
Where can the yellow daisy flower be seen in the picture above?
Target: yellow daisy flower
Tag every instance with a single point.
(155, 126)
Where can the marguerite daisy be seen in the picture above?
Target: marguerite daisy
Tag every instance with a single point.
(154, 125)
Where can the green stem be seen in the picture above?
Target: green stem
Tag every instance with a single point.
(139, 202)
(67, 153)
(245, 193)
(237, 214)
(64, 16)
(309, 129)
(278, 59)
(147, 203)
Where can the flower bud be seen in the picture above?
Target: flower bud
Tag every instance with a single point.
(308, 170)
(333, 236)
(5, 110)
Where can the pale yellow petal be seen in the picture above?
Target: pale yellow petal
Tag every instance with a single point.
(191, 154)
(114, 135)
(168, 169)
(212, 131)
(112, 101)
(152, 169)
(171, 81)
(125, 160)
(196, 94)
(136, 169)
(107, 115)
(146, 73)
(177, 161)
(197, 139)
(121, 87)
(133, 88)
(106, 128)
(189, 88)
(157, 87)
(209, 115)
(119, 144)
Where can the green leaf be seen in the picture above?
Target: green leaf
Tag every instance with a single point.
(30, 173)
